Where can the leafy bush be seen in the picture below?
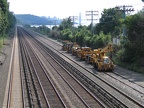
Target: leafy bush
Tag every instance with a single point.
(101, 40)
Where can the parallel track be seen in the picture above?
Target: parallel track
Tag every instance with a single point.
(32, 97)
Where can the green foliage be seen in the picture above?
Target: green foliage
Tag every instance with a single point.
(131, 55)
(4, 6)
(41, 29)
(119, 60)
(135, 34)
(7, 19)
(54, 34)
(54, 28)
(11, 21)
(66, 34)
(1, 42)
(81, 35)
(1, 21)
(110, 22)
(65, 24)
(4, 16)
(99, 41)
(28, 26)
(36, 20)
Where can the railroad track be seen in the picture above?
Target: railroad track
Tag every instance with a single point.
(31, 95)
(87, 98)
(131, 84)
(119, 104)
(47, 93)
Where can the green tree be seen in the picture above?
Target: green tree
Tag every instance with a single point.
(135, 38)
(101, 40)
(11, 21)
(4, 16)
(54, 34)
(66, 34)
(110, 22)
(1, 21)
(81, 35)
(54, 28)
(4, 6)
(66, 23)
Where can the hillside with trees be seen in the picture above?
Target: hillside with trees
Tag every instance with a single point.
(36, 20)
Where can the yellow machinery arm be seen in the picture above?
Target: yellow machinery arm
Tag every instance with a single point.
(107, 48)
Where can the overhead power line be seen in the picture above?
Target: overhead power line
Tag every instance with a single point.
(92, 14)
(73, 18)
(125, 9)
(55, 22)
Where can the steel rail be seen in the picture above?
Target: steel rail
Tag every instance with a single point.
(46, 76)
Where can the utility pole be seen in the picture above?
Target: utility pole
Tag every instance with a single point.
(125, 9)
(73, 18)
(79, 18)
(55, 22)
(50, 23)
(92, 14)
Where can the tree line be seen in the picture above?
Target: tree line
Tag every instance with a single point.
(7, 19)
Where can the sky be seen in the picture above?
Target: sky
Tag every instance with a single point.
(66, 8)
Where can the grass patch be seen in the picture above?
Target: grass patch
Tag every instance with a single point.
(1, 43)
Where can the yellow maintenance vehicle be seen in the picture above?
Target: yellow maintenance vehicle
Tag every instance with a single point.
(66, 45)
(91, 56)
(101, 61)
(72, 46)
(81, 53)
(74, 49)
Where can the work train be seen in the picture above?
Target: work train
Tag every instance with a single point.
(97, 57)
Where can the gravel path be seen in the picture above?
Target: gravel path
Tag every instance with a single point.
(5, 55)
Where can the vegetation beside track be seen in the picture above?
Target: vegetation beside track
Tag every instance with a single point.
(7, 19)
(1, 43)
